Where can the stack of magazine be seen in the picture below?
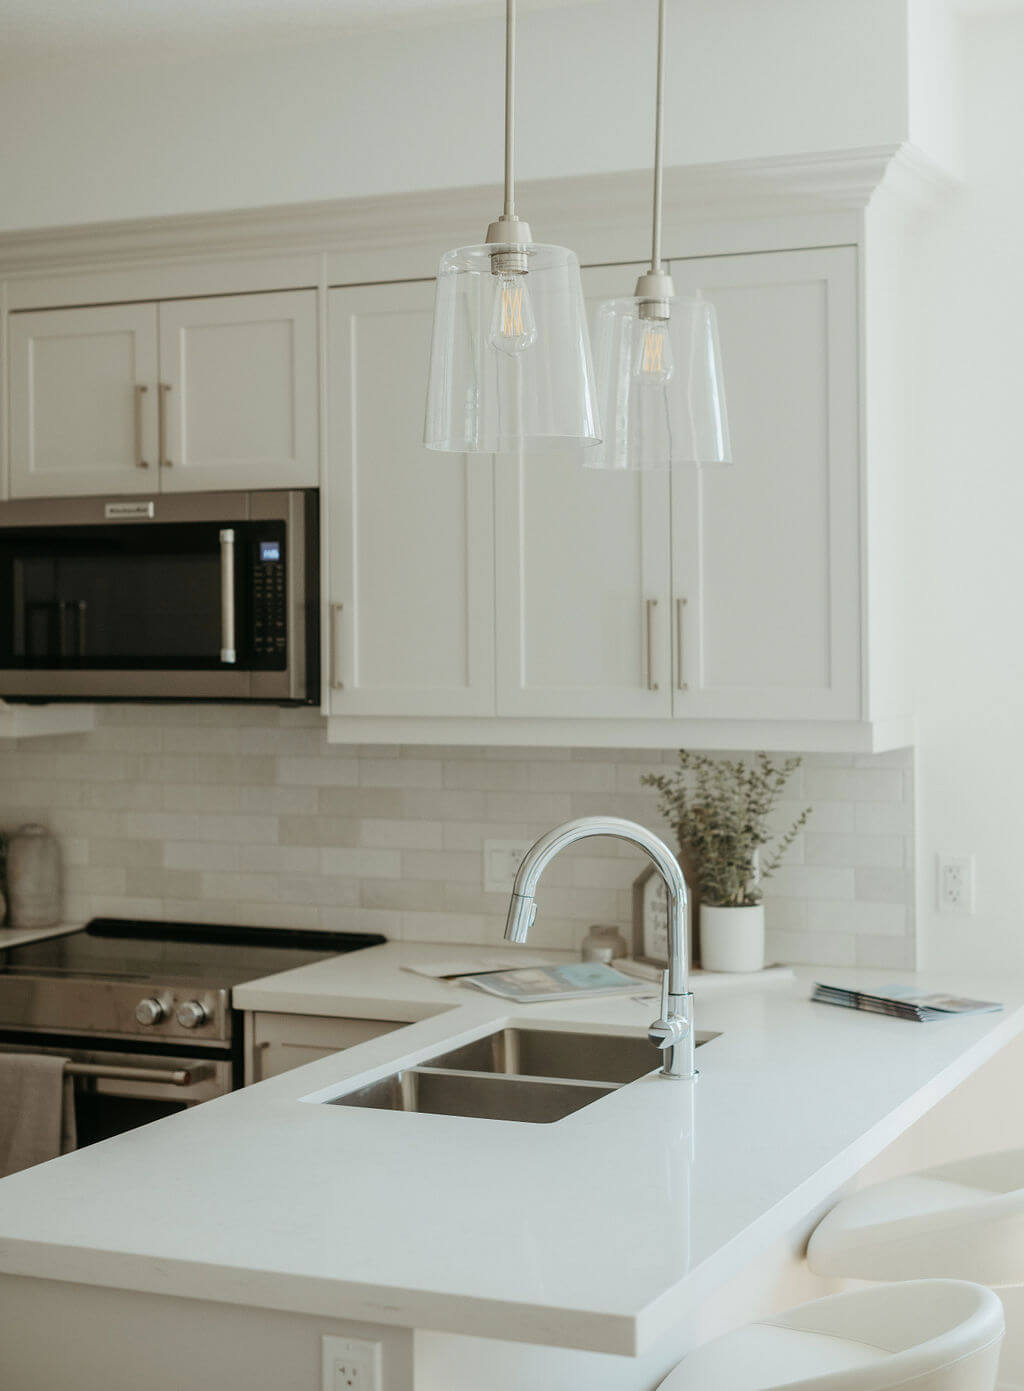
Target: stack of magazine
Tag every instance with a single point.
(903, 1002)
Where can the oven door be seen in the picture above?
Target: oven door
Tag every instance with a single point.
(200, 597)
(117, 1091)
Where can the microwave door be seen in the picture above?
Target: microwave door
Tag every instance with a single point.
(145, 610)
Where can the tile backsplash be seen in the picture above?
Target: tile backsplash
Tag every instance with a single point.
(246, 815)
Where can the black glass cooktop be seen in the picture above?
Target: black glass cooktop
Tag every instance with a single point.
(214, 956)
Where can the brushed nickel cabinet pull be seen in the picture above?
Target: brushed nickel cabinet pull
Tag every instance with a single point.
(680, 668)
(336, 682)
(140, 462)
(650, 606)
(162, 422)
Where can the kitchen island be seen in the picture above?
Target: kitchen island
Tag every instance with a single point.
(594, 1250)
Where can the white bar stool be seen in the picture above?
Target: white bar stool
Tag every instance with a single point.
(963, 1220)
(924, 1335)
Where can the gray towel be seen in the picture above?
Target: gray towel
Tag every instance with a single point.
(37, 1110)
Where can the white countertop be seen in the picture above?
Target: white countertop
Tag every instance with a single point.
(375, 984)
(597, 1232)
(19, 936)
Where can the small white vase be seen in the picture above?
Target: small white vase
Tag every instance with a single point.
(732, 939)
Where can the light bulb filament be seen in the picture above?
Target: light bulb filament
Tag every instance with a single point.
(512, 324)
(653, 351)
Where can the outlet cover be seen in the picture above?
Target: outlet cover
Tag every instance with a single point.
(501, 860)
(350, 1364)
(955, 888)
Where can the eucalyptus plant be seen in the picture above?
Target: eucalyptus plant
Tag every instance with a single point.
(720, 810)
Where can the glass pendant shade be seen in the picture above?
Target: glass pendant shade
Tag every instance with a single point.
(661, 392)
(510, 360)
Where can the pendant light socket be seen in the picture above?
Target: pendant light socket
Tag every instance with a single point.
(509, 232)
(654, 290)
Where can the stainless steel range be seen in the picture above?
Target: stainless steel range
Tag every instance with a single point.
(143, 1009)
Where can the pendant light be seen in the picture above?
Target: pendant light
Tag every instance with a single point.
(659, 375)
(510, 361)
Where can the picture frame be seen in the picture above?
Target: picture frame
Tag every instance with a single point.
(650, 919)
(650, 922)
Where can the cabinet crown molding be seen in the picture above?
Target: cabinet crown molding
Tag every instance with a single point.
(832, 181)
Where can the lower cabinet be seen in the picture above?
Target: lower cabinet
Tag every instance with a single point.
(275, 1043)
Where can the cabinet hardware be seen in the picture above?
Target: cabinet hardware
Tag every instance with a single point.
(162, 423)
(173, 1077)
(227, 595)
(680, 668)
(650, 606)
(336, 682)
(140, 462)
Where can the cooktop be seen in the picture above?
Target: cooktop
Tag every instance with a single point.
(207, 954)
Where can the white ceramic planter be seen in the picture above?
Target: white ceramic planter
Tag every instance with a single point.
(732, 939)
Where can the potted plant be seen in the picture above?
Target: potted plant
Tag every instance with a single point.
(719, 809)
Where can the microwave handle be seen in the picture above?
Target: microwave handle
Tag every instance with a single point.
(227, 595)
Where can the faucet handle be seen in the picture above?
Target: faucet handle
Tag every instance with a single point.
(667, 1029)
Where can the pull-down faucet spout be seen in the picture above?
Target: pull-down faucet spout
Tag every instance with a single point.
(672, 1031)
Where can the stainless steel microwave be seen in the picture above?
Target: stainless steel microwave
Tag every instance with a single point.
(204, 596)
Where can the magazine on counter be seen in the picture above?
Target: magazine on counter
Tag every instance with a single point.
(576, 980)
(903, 1002)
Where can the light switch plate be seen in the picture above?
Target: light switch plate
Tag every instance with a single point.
(501, 860)
(350, 1364)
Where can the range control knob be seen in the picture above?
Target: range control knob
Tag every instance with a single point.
(150, 1011)
(192, 1014)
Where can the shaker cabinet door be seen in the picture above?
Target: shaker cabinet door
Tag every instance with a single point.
(766, 551)
(582, 577)
(240, 395)
(83, 401)
(410, 553)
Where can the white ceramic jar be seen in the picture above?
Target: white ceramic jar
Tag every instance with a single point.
(732, 939)
(33, 878)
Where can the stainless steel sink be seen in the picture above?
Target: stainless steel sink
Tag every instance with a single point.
(533, 1075)
(554, 1053)
(481, 1095)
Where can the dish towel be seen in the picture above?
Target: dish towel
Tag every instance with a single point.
(37, 1110)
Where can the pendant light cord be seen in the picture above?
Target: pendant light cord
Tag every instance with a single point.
(510, 107)
(659, 130)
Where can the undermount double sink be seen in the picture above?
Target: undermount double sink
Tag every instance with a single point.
(532, 1075)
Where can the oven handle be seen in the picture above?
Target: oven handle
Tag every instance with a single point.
(227, 595)
(174, 1077)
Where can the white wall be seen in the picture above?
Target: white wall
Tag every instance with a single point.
(93, 136)
(968, 431)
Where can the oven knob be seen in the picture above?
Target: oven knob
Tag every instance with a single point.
(192, 1014)
(150, 1011)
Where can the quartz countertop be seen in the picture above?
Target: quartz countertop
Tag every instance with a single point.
(268, 1198)
(19, 936)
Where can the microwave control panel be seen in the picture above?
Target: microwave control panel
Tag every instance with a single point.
(269, 600)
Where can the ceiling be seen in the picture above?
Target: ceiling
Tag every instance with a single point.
(47, 25)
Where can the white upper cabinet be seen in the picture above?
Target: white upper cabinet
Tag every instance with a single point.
(83, 401)
(766, 552)
(184, 396)
(582, 576)
(240, 392)
(410, 552)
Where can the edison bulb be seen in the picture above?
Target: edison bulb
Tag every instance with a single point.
(653, 362)
(513, 326)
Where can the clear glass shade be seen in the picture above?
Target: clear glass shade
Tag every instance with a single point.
(661, 394)
(510, 360)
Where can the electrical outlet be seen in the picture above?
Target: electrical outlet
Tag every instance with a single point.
(501, 860)
(350, 1364)
(956, 884)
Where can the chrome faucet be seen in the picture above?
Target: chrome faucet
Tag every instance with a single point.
(672, 1031)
